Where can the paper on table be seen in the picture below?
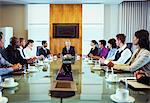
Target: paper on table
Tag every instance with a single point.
(137, 85)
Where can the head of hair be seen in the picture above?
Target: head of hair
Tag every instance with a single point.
(43, 42)
(94, 42)
(121, 37)
(112, 42)
(1, 35)
(14, 42)
(28, 42)
(21, 40)
(143, 36)
(103, 42)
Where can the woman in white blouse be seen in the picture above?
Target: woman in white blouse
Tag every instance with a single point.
(29, 52)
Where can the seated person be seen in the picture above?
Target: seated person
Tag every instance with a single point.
(94, 49)
(43, 50)
(8, 67)
(68, 50)
(29, 52)
(103, 50)
(141, 56)
(112, 48)
(13, 54)
(122, 55)
(22, 44)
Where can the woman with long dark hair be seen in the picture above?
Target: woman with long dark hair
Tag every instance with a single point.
(141, 57)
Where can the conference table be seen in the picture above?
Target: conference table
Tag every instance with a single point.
(34, 87)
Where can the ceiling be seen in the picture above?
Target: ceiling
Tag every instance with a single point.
(63, 1)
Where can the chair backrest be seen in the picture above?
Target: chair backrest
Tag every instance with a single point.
(130, 46)
(38, 49)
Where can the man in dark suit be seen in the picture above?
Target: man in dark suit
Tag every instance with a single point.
(43, 50)
(68, 49)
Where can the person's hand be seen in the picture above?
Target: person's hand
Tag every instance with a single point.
(16, 67)
(102, 59)
(139, 74)
(91, 55)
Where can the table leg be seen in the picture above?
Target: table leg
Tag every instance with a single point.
(61, 100)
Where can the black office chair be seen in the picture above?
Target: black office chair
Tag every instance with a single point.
(130, 46)
(38, 49)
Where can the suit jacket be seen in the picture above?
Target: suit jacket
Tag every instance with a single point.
(70, 51)
(14, 56)
(43, 52)
(94, 51)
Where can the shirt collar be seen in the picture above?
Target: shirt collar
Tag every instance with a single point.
(123, 47)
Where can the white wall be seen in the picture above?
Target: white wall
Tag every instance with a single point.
(38, 23)
(92, 25)
(111, 20)
(148, 18)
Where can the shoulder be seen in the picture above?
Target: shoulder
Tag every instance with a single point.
(145, 51)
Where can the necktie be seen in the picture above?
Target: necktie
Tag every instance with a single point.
(23, 53)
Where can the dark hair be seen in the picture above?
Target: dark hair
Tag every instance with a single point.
(121, 37)
(143, 37)
(28, 42)
(94, 41)
(21, 39)
(103, 42)
(1, 35)
(112, 42)
(43, 42)
(14, 42)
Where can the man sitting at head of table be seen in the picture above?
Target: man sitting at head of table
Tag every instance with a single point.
(122, 55)
(8, 67)
(68, 50)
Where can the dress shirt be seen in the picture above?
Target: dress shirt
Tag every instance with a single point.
(3, 62)
(21, 51)
(111, 53)
(103, 52)
(4, 71)
(29, 53)
(125, 56)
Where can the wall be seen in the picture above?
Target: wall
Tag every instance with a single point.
(14, 16)
(111, 21)
(148, 18)
(0, 15)
(65, 13)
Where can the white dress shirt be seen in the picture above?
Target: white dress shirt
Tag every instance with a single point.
(29, 53)
(21, 52)
(125, 55)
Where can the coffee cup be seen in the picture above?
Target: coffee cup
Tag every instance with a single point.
(9, 81)
(55, 57)
(122, 94)
(78, 57)
(112, 77)
(0, 95)
(86, 59)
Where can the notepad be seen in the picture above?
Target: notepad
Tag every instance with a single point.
(137, 85)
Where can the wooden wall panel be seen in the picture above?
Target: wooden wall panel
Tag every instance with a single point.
(65, 13)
